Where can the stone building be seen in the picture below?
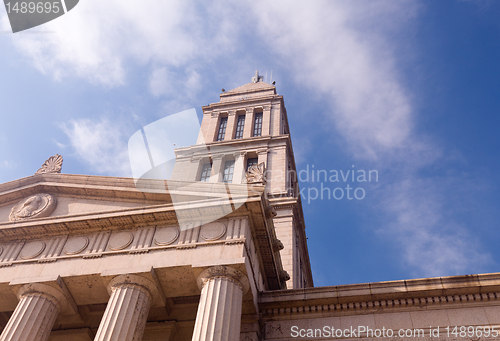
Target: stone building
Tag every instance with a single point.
(95, 258)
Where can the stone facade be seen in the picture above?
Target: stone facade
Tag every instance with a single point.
(94, 258)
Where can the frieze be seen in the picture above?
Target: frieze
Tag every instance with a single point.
(139, 240)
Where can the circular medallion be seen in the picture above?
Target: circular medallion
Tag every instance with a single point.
(120, 240)
(213, 231)
(32, 249)
(166, 235)
(75, 245)
(36, 206)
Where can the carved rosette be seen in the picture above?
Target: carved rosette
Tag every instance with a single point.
(52, 165)
(256, 174)
(36, 206)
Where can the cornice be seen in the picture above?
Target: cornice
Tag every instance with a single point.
(243, 103)
(429, 292)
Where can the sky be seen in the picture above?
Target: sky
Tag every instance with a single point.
(408, 89)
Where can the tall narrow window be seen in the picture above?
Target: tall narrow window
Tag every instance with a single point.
(228, 172)
(222, 129)
(239, 127)
(206, 170)
(257, 124)
(251, 162)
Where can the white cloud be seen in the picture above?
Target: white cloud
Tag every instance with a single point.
(98, 39)
(102, 145)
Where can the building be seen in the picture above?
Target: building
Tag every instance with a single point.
(217, 253)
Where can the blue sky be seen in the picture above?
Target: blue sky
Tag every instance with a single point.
(408, 88)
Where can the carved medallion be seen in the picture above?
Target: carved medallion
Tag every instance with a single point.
(120, 241)
(76, 245)
(52, 165)
(32, 250)
(36, 206)
(213, 231)
(166, 235)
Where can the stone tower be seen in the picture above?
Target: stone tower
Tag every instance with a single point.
(249, 127)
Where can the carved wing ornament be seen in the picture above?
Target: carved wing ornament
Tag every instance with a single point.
(256, 174)
(52, 165)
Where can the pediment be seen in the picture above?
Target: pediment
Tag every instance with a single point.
(58, 196)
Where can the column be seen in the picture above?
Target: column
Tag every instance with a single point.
(127, 310)
(35, 314)
(219, 311)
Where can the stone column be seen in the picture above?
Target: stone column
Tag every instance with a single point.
(219, 311)
(127, 310)
(35, 314)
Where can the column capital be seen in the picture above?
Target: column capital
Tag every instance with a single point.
(226, 272)
(217, 157)
(49, 292)
(140, 282)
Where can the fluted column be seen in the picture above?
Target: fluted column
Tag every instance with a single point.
(35, 314)
(127, 310)
(219, 311)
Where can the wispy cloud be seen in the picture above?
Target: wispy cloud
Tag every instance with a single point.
(102, 145)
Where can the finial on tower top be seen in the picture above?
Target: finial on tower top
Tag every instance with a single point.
(257, 78)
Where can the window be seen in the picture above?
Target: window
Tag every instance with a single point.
(257, 124)
(239, 127)
(222, 129)
(251, 162)
(228, 172)
(206, 170)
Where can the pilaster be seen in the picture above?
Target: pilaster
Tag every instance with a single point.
(266, 120)
(248, 129)
(239, 167)
(216, 168)
(231, 122)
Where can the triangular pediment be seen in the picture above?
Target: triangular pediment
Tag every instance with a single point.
(58, 196)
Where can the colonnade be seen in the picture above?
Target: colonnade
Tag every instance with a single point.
(218, 316)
